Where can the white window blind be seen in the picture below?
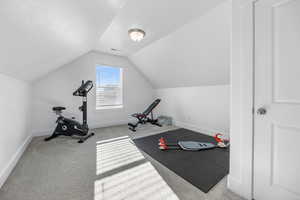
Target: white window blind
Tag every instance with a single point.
(108, 87)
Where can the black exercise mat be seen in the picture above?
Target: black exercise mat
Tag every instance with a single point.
(203, 169)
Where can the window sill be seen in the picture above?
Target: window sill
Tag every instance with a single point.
(109, 107)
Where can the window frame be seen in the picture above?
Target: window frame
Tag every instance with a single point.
(107, 107)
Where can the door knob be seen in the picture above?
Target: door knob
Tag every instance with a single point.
(261, 111)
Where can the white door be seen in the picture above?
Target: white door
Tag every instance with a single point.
(277, 100)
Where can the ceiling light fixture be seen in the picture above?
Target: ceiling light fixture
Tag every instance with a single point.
(136, 34)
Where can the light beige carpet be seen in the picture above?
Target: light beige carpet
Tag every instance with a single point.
(62, 169)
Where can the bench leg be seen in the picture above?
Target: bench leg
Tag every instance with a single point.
(132, 126)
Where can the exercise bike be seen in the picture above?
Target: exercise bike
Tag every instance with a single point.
(70, 127)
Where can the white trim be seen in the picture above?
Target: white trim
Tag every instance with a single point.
(13, 161)
(92, 126)
(200, 129)
(42, 133)
(233, 184)
(241, 127)
(108, 124)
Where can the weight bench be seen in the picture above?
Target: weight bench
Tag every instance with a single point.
(143, 117)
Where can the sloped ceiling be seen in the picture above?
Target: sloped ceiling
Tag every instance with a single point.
(39, 36)
(156, 17)
(196, 54)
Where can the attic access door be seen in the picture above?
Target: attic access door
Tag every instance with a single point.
(277, 100)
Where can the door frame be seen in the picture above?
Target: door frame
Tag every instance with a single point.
(240, 179)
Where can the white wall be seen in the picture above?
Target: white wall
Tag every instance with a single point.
(14, 116)
(204, 109)
(241, 126)
(56, 89)
(196, 54)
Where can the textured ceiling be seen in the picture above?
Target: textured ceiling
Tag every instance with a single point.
(39, 36)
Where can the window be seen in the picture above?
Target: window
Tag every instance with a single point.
(108, 87)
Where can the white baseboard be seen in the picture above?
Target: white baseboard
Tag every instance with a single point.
(91, 126)
(108, 124)
(13, 161)
(42, 133)
(236, 186)
(207, 131)
(233, 184)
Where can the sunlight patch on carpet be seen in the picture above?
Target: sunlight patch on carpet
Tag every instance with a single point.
(115, 153)
(140, 182)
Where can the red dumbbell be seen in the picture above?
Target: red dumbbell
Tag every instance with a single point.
(162, 144)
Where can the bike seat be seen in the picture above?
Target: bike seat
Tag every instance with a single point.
(58, 108)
